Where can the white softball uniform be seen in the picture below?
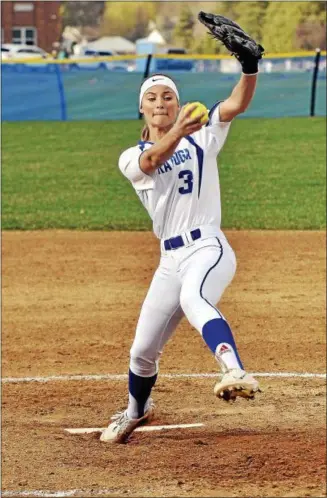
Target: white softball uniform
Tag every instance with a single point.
(184, 192)
(197, 263)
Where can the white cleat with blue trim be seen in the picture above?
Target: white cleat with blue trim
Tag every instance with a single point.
(122, 427)
(236, 382)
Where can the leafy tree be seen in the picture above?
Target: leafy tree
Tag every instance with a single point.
(183, 32)
(230, 9)
(251, 17)
(314, 11)
(207, 45)
(128, 19)
(278, 26)
(282, 21)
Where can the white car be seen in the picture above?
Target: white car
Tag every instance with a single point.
(11, 51)
(111, 65)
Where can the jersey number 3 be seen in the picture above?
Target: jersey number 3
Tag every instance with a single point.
(187, 176)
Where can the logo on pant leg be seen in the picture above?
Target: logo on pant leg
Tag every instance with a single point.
(223, 348)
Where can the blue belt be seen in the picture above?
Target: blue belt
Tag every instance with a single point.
(176, 242)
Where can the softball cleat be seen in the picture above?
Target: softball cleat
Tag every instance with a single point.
(121, 427)
(236, 383)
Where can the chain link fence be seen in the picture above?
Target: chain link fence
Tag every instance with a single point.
(107, 88)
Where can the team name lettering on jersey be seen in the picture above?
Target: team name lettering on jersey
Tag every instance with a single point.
(179, 157)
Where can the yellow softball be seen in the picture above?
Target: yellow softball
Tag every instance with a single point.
(200, 108)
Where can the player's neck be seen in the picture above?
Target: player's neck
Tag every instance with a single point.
(157, 133)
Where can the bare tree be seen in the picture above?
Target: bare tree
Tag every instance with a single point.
(82, 13)
(311, 35)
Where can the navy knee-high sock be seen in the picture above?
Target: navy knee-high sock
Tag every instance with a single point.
(218, 336)
(140, 388)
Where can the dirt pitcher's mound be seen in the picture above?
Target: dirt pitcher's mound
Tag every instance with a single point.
(70, 306)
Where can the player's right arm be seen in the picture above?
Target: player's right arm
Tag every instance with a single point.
(162, 150)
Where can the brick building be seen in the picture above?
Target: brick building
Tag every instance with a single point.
(31, 23)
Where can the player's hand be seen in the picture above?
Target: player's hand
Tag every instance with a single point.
(185, 125)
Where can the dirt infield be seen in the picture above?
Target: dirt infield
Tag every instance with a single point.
(70, 305)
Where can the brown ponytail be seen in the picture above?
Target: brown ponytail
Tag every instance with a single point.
(145, 135)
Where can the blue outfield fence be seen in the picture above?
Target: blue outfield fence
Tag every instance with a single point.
(90, 91)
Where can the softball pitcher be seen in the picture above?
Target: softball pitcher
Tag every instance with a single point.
(173, 170)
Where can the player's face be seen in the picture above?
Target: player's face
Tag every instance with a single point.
(160, 106)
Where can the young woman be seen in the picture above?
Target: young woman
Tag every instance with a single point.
(174, 172)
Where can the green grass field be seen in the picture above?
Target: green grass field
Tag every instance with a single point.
(65, 175)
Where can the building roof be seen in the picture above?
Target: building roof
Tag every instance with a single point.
(154, 37)
(113, 43)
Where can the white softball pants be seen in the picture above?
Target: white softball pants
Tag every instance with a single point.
(189, 281)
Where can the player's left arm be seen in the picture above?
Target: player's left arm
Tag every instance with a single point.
(240, 98)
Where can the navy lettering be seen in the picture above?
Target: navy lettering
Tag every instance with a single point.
(181, 155)
(167, 166)
(177, 160)
(187, 154)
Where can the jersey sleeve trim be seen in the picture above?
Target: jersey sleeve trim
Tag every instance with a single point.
(142, 144)
(216, 129)
(211, 112)
(199, 155)
(214, 116)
